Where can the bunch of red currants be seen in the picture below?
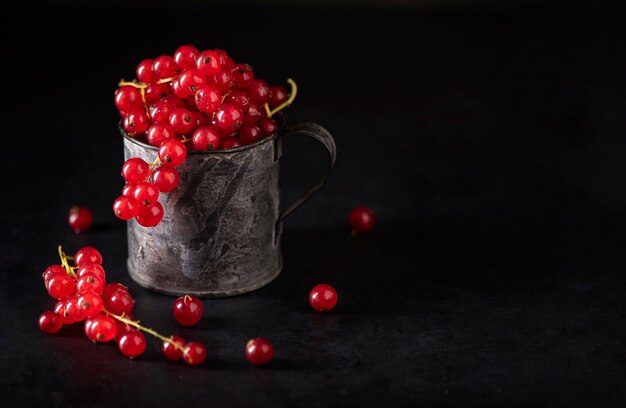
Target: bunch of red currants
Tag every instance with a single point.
(189, 101)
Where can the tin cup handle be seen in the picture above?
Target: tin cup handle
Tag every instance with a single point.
(323, 136)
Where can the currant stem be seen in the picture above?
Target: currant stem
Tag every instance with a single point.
(146, 329)
(292, 96)
(268, 112)
(65, 264)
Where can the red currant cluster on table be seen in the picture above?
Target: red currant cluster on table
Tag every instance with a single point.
(83, 295)
(189, 101)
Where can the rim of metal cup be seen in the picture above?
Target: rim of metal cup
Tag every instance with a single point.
(280, 118)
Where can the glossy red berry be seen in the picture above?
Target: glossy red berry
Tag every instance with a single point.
(224, 81)
(240, 99)
(50, 322)
(230, 143)
(229, 118)
(250, 134)
(172, 152)
(135, 170)
(362, 219)
(132, 344)
(73, 310)
(186, 56)
(87, 255)
(61, 286)
(323, 297)
(188, 310)
(118, 302)
(195, 353)
(164, 67)
(123, 328)
(79, 219)
(59, 309)
(268, 126)
(89, 282)
(170, 351)
(182, 121)
(128, 99)
(259, 91)
(208, 98)
(127, 190)
(90, 303)
(136, 123)
(225, 61)
(125, 207)
(205, 138)
(189, 81)
(208, 63)
(159, 133)
(278, 95)
(103, 328)
(243, 75)
(154, 93)
(150, 216)
(144, 72)
(166, 178)
(51, 271)
(110, 289)
(146, 193)
(253, 114)
(93, 268)
(87, 327)
(161, 110)
(259, 351)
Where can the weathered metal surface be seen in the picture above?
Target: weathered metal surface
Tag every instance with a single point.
(220, 234)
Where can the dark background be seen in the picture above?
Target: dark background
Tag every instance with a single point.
(489, 139)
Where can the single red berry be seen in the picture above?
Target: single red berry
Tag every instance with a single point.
(278, 95)
(125, 207)
(87, 255)
(51, 271)
(89, 282)
(172, 153)
(103, 328)
(230, 143)
(208, 98)
(229, 118)
(259, 91)
(132, 344)
(188, 310)
(268, 126)
(144, 72)
(73, 310)
(154, 93)
(240, 99)
(159, 133)
(200, 118)
(205, 138)
(128, 99)
(182, 121)
(50, 322)
(150, 216)
(189, 81)
(59, 309)
(170, 351)
(362, 219)
(208, 63)
(146, 193)
(135, 170)
(136, 123)
(127, 190)
(186, 56)
(253, 115)
(250, 134)
(323, 297)
(93, 268)
(243, 75)
(164, 67)
(61, 286)
(225, 61)
(110, 289)
(79, 219)
(90, 303)
(118, 302)
(87, 327)
(166, 178)
(224, 81)
(161, 110)
(123, 328)
(195, 353)
(259, 351)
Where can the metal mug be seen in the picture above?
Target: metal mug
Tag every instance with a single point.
(220, 233)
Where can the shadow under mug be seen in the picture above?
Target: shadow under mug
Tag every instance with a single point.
(221, 229)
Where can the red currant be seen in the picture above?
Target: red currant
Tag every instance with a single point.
(230, 143)
(51, 271)
(188, 310)
(240, 99)
(132, 344)
(135, 170)
(182, 121)
(170, 351)
(150, 216)
(118, 301)
(80, 219)
(259, 91)
(268, 126)
(323, 297)
(161, 110)
(59, 309)
(159, 133)
(154, 93)
(195, 353)
(128, 99)
(111, 288)
(259, 351)
(146, 193)
(61, 286)
(172, 152)
(189, 81)
(205, 138)
(362, 219)
(278, 96)
(175, 100)
(253, 114)
(164, 67)
(208, 98)
(229, 118)
(87, 327)
(243, 75)
(90, 303)
(123, 328)
(225, 61)
(73, 309)
(136, 123)
(224, 80)
(208, 62)
(87, 255)
(50, 322)
(166, 178)
(125, 207)
(103, 328)
(89, 282)
(186, 56)
(93, 268)
(250, 134)
(127, 190)
(144, 72)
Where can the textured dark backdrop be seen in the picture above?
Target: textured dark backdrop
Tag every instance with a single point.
(489, 140)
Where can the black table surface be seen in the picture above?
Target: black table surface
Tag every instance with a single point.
(489, 141)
